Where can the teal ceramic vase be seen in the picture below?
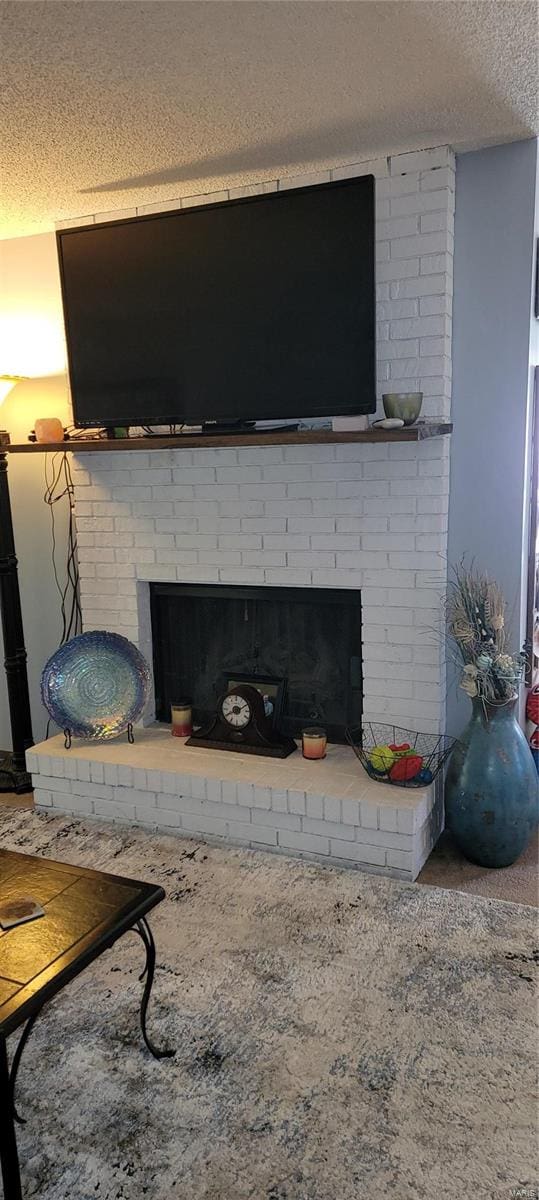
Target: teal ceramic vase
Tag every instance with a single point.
(492, 788)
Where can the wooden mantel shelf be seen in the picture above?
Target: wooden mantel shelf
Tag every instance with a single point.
(313, 437)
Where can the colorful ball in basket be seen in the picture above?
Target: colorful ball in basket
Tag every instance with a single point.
(406, 768)
(399, 751)
(382, 759)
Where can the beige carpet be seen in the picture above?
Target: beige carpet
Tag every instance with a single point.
(447, 868)
(339, 1036)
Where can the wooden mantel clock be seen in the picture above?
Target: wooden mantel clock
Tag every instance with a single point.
(241, 723)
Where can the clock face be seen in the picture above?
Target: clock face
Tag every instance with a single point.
(236, 711)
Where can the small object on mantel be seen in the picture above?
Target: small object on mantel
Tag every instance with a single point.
(352, 424)
(403, 404)
(314, 743)
(388, 423)
(18, 912)
(49, 429)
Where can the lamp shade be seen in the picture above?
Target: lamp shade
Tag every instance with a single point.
(7, 382)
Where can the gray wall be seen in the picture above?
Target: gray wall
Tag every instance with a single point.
(493, 265)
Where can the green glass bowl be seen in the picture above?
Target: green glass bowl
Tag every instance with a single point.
(406, 405)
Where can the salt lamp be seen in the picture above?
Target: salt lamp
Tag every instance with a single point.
(49, 429)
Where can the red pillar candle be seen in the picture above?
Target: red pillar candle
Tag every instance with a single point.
(182, 719)
(314, 742)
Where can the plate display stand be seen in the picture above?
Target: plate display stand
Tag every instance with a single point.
(68, 736)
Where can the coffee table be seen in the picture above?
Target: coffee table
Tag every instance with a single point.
(85, 913)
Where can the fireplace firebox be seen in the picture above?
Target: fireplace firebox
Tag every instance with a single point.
(311, 637)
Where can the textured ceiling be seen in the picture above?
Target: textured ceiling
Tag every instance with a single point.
(110, 104)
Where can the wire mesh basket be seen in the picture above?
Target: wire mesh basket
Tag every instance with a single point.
(380, 748)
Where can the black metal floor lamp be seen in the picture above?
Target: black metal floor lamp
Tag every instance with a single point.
(13, 774)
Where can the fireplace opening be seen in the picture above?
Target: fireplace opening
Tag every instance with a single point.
(310, 637)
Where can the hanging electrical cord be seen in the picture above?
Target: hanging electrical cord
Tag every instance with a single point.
(59, 485)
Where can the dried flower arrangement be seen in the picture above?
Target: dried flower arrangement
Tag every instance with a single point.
(476, 622)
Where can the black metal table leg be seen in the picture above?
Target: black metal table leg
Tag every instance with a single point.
(16, 1061)
(144, 931)
(8, 1141)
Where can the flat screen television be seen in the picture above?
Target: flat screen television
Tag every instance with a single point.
(260, 308)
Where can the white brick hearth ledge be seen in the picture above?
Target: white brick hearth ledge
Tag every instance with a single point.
(329, 811)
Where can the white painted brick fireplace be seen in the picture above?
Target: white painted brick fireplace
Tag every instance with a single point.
(363, 516)
(359, 515)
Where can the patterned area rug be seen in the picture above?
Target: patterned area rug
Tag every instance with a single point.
(339, 1036)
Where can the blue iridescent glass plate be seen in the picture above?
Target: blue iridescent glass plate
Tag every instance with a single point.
(96, 685)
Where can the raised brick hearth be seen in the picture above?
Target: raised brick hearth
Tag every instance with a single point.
(329, 811)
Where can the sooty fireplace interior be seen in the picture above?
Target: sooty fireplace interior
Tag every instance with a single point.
(311, 637)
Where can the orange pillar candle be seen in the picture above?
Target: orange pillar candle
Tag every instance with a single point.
(182, 719)
(314, 742)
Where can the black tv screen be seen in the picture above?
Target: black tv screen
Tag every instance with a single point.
(251, 309)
